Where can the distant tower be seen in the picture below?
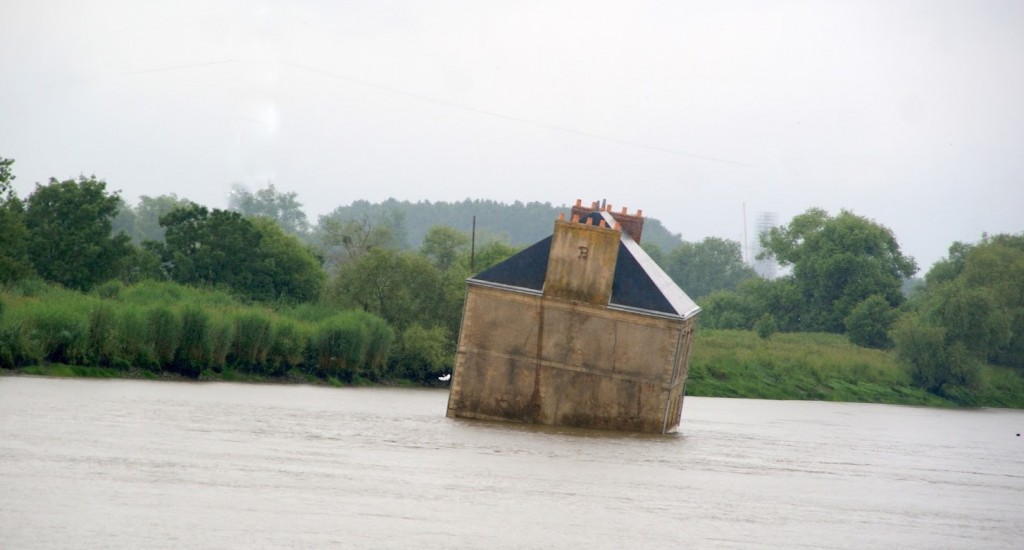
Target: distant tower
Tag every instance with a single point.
(764, 221)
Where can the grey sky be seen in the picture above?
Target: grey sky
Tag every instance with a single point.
(909, 113)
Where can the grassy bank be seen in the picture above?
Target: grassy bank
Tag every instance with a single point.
(815, 366)
(164, 330)
(167, 331)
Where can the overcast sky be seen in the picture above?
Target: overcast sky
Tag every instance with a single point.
(909, 113)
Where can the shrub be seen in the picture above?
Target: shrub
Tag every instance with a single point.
(765, 326)
(109, 290)
(61, 338)
(251, 341)
(13, 346)
(194, 344)
(133, 347)
(340, 346)
(934, 365)
(164, 331)
(221, 337)
(869, 322)
(379, 337)
(423, 354)
(287, 347)
(102, 335)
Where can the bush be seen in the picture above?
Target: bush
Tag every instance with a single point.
(251, 341)
(194, 344)
(134, 348)
(109, 290)
(765, 326)
(221, 337)
(935, 365)
(58, 333)
(379, 338)
(340, 346)
(423, 354)
(869, 322)
(287, 347)
(13, 346)
(164, 331)
(102, 335)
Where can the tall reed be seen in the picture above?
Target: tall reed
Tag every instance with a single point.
(193, 351)
(251, 341)
(164, 333)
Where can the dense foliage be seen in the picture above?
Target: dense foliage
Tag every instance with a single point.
(165, 328)
(838, 262)
(15, 263)
(840, 266)
(374, 292)
(970, 311)
(70, 232)
(704, 267)
(252, 257)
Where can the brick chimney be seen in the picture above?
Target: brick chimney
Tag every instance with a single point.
(632, 224)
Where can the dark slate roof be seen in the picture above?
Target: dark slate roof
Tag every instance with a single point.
(524, 270)
(639, 282)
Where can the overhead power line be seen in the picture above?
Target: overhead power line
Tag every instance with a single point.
(493, 114)
(179, 67)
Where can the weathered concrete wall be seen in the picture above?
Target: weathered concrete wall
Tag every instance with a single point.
(530, 358)
(581, 265)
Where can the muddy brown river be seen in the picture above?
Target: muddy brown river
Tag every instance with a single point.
(132, 464)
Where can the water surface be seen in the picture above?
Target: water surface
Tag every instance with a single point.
(136, 464)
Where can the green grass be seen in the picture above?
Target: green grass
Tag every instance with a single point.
(826, 367)
(61, 370)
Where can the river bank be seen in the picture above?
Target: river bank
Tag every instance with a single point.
(797, 366)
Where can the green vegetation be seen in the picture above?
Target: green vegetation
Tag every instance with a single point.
(373, 293)
(70, 232)
(165, 329)
(820, 366)
(518, 224)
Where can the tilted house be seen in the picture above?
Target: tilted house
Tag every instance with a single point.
(580, 329)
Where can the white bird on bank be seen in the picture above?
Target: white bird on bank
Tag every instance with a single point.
(445, 377)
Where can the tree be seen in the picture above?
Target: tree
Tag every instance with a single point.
(70, 232)
(204, 247)
(142, 222)
(489, 255)
(291, 268)
(837, 263)
(284, 208)
(401, 287)
(869, 322)
(345, 241)
(970, 315)
(949, 267)
(753, 299)
(935, 364)
(710, 265)
(15, 263)
(442, 246)
(977, 295)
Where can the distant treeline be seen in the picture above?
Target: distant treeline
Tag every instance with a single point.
(517, 224)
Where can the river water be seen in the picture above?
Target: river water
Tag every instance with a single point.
(136, 464)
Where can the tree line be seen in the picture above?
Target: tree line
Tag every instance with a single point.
(845, 274)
